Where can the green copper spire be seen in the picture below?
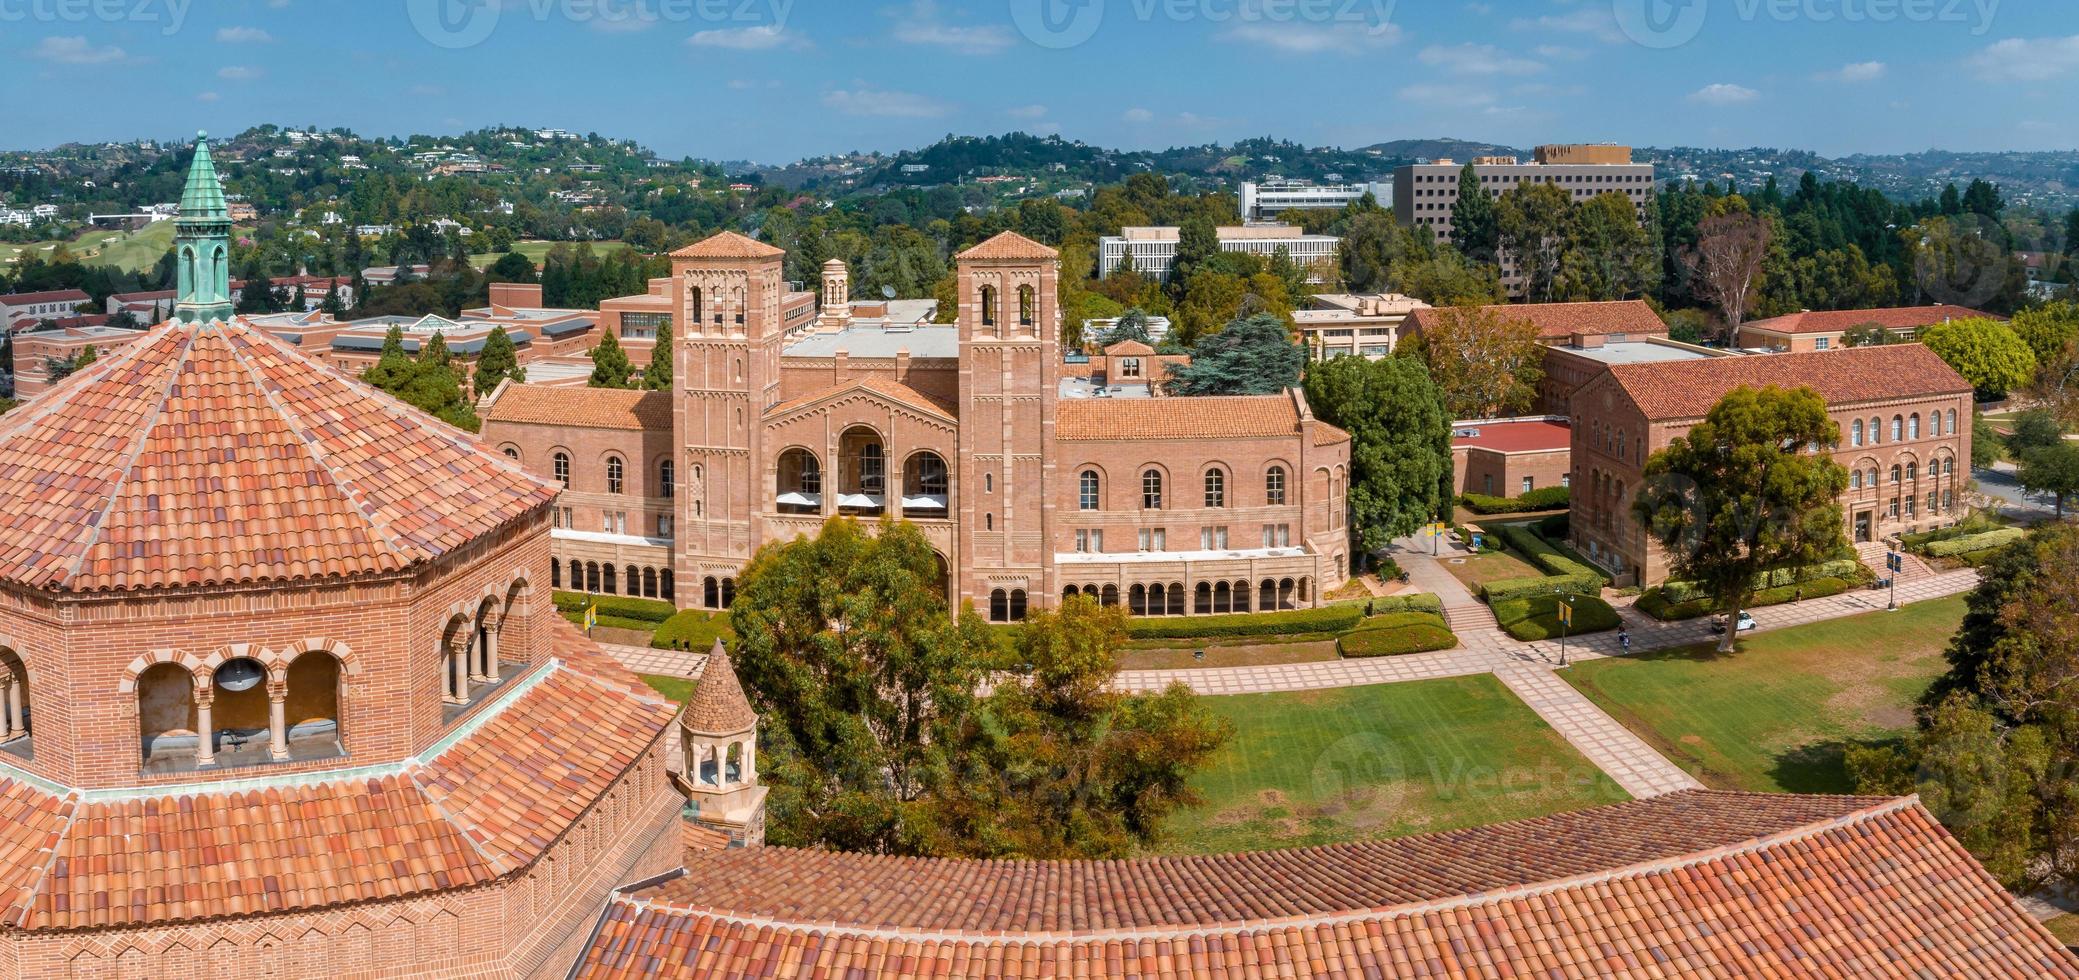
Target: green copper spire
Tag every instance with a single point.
(202, 243)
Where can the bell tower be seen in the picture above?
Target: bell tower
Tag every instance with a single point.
(718, 739)
(202, 243)
(1010, 376)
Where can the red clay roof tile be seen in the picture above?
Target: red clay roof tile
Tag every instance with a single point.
(1670, 390)
(1556, 321)
(1206, 417)
(584, 408)
(1890, 318)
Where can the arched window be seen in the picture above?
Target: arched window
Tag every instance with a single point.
(1028, 310)
(1151, 490)
(1274, 486)
(609, 588)
(1898, 428)
(664, 480)
(926, 489)
(696, 306)
(999, 606)
(1855, 480)
(512, 454)
(1896, 470)
(1876, 431)
(1912, 471)
(614, 475)
(1017, 605)
(988, 306)
(1856, 439)
(800, 489)
(1949, 467)
(1087, 490)
(1216, 487)
(1950, 423)
(561, 466)
(1913, 426)
(14, 697)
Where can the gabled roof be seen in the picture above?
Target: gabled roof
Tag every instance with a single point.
(1129, 348)
(1699, 883)
(215, 453)
(584, 408)
(47, 296)
(719, 706)
(1198, 417)
(895, 391)
(1557, 321)
(1672, 390)
(728, 245)
(1890, 318)
(1008, 245)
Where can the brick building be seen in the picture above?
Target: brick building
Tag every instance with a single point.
(1580, 340)
(1029, 480)
(1810, 331)
(1511, 457)
(21, 311)
(282, 692)
(1905, 439)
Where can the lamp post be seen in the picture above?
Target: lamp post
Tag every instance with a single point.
(1566, 619)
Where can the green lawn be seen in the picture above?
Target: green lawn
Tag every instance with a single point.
(536, 251)
(676, 688)
(1478, 570)
(1227, 652)
(131, 252)
(1319, 767)
(1778, 715)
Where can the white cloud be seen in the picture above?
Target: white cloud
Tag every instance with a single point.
(239, 73)
(1138, 115)
(1723, 94)
(243, 35)
(1346, 37)
(1477, 59)
(885, 103)
(207, 97)
(2026, 59)
(1028, 112)
(919, 23)
(1445, 96)
(74, 50)
(1861, 71)
(1594, 20)
(765, 37)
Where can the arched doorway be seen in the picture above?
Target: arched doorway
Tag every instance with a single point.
(799, 486)
(311, 710)
(927, 488)
(166, 723)
(863, 473)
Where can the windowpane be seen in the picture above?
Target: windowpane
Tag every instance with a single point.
(1151, 490)
(1216, 488)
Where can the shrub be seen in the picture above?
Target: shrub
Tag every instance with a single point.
(1537, 618)
(1391, 621)
(1554, 528)
(1565, 572)
(1985, 541)
(1330, 619)
(1547, 498)
(651, 611)
(1655, 603)
(1413, 602)
(1388, 569)
(1489, 544)
(1416, 633)
(1848, 569)
(1503, 590)
(1976, 523)
(693, 630)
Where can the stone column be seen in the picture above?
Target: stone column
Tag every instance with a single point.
(277, 720)
(473, 656)
(17, 694)
(891, 486)
(9, 727)
(205, 725)
(453, 683)
(491, 649)
(750, 771)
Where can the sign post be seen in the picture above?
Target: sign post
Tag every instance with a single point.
(591, 619)
(1895, 563)
(1566, 622)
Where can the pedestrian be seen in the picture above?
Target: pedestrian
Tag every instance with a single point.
(1798, 596)
(1624, 639)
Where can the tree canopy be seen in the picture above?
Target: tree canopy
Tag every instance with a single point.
(1400, 453)
(1487, 364)
(1252, 356)
(1745, 491)
(610, 365)
(1988, 353)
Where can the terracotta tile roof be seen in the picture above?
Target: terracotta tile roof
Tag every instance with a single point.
(893, 390)
(1008, 245)
(47, 296)
(1209, 417)
(1557, 321)
(1890, 318)
(1688, 389)
(1129, 348)
(487, 806)
(719, 706)
(728, 245)
(584, 408)
(217, 453)
(1326, 435)
(1693, 884)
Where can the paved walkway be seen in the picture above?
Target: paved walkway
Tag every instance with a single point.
(1628, 760)
(668, 663)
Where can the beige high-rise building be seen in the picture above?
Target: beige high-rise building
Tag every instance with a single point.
(1425, 194)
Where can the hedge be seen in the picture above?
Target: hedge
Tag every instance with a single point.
(1654, 602)
(1564, 571)
(1412, 602)
(1974, 524)
(693, 630)
(1329, 619)
(1842, 568)
(1987, 541)
(1537, 618)
(1545, 498)
(1401, 633)
(650, 611)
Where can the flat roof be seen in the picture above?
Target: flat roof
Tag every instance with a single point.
(932, 341)
(1635, 352)
(1086, 388)
(1534, 436)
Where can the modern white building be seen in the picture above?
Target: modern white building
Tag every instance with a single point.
(1154, 247)
(1345, 325)
(1275, 195)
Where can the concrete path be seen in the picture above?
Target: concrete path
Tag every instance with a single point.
(1628, 760)
(668, 663)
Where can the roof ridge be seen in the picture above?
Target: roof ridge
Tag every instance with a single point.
(309, 441)
(34, 886)
(466, 831)
(128, 460)
(1793, 834)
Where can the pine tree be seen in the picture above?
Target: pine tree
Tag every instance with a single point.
(610, 366)
(332, 306)
(657, 377)
(498, 361)
(393, 369)
(436, 389)
(1473, 225)
(1198, 240)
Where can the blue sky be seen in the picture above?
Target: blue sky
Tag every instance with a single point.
(776, 80)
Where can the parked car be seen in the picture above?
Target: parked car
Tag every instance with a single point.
(1747, 624)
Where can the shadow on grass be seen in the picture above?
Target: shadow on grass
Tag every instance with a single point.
(1822, 767)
